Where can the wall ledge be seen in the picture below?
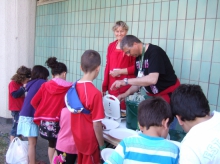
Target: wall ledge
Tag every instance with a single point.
(45, 2)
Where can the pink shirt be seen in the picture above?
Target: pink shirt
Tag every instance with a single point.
(65, 140)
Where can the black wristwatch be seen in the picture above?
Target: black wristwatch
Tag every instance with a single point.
(126, 81)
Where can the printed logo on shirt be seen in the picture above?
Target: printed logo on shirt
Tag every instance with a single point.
(154, 89)
(137, 64)
(212, 150)
(146, 64)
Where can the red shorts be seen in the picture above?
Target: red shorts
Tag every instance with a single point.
(89, 159)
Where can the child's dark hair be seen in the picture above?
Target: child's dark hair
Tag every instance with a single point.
(22, 74)
(188, 101)
(153, 111)
(39, 72)
(56, 67)
(90, 60)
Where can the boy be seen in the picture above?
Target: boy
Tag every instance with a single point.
(87, 128)
(202, 141)
(154, 117)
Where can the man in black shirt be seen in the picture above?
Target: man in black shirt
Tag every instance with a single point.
(153, 69)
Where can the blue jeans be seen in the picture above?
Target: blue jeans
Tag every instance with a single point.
(15, 115)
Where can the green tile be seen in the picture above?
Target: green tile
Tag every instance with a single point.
(218, 13)
(201, 9)
(209, 29)
(189, 29)
(163, 44)
(106, 29)
(156, 28)
(217, 29)
(135, 28)
(118, 3)
(88, 20)
(157, 10)
(163, 29)
(136, 13)
(178, 49)
(149, 12)
(101, 44)
(213, 94)
(191, 9)
(180, 29)
(98, 3)
(142, 14)
(211, 9)
(88, 30)
(187, 51)
(173, 10)
(124, 2)
(207, 50)
(130, 2)
(204, 87)
(204, 72)
(177, 67)
(171, 29)
(96, 17)
(148, 29)
(123, 13)
(112, 14)
(102, 15)
(107, 3)
(170, 48)
(92, 30)
(130, 13)
(117, 13)
(186, 65)
(199, 29)
(73, 5)
(197, 50)
(89, 4)
(80, 5)
(107, 13)
(216, 50)
(182, 9)
(215, 76)
(113, 2)
(165, 11)
(102, 3)
(101, 30)
(155, 41)
(97, 26)
(141, 30)
(195, 68)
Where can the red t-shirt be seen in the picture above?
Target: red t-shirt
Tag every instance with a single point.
(82, 124)
(117, 59)
(14, 104)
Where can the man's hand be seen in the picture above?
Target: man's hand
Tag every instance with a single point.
(117, 84)
(121, 97)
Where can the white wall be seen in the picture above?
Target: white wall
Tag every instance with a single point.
(17, 36)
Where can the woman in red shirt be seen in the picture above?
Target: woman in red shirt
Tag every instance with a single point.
(118, 65)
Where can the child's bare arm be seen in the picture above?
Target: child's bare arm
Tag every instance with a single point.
(97, 126)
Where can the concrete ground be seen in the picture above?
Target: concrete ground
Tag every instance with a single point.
(41, 149)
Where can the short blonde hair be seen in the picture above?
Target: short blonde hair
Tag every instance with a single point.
(120, 24)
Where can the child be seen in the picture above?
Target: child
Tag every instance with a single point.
(65, 140)
(202, 141)
(154, 117)
(49, 101)
(26, 126)
(87, 128)
(16, 95)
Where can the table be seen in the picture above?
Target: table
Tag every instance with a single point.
(110, 139)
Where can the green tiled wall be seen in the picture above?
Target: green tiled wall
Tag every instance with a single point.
(188, 30)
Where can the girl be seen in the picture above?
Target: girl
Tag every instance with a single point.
(26, 126)
(16, 95)
(49, 101)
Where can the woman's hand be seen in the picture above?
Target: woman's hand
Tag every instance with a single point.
(115, 72)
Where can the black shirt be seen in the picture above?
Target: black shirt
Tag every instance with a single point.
(156, 60)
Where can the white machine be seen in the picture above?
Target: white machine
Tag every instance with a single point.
(112, 107)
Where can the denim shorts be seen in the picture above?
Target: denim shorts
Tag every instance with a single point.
(15, 115)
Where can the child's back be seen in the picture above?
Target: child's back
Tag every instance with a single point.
(154, 117)
(87, 128)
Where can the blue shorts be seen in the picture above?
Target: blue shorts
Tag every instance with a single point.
(15, 115)
(27, 127)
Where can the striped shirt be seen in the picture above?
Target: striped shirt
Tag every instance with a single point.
(144, 149)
